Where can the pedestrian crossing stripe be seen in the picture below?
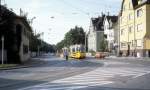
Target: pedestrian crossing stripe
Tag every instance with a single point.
(101, 75)
(98, 77)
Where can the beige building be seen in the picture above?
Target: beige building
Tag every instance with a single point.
(134, 27)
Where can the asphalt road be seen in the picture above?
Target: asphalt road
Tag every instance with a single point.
(87, 74)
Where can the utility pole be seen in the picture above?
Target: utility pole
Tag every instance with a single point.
(2, 50)
(85, 42)
(0, 10)
(119, 45)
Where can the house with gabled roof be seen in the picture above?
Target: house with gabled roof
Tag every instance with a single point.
(111, 32)
(96, 34)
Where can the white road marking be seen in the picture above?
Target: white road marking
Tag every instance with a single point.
(98, 77)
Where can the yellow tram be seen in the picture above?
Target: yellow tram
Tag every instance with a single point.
(77, 51)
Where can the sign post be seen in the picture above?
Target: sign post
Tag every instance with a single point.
(2, 49)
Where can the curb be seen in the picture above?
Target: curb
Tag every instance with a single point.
(140, 58)
(23, 66)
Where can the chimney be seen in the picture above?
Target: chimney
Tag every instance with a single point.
(102, 13)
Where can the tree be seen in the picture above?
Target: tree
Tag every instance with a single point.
(75, 36)
(60, 45)
(103, 46)
(34, 42)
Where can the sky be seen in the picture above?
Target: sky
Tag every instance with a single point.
(56, 17)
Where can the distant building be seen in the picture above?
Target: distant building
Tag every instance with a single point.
(111, 32)
(135, 28)
(96, 34)
(16, 32)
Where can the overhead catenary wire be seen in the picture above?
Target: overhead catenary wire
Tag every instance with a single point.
(89, 13)
(74, 7)
(108, 6)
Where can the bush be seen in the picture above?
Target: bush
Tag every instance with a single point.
(92, 52)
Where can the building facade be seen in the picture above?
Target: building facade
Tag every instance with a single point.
(96, 34)
(111, 33)
(134, 24)
(24, 29)
(16, 32)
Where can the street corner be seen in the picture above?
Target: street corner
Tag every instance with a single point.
(30, 63)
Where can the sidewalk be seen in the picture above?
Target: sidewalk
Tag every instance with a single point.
(139, 83)
(131, 58)
(33, 62)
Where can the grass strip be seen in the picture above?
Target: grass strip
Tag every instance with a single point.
(7, 65)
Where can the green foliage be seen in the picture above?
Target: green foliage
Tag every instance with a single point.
(7, 65)
(103, 46)
(12, 34)
(60, 45)
(92, 52)
(35, 42)
(47, 47)
(74, 36)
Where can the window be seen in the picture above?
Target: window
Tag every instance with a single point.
(130, 17)
(132, 43)
(135, 43)
(139, 13)
(139, 43)
(139, 27)
(122, 19)
(130, 29)
(123, 45)
(122, 31)
(25, 49)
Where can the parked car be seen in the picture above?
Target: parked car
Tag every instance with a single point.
(100, 55)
